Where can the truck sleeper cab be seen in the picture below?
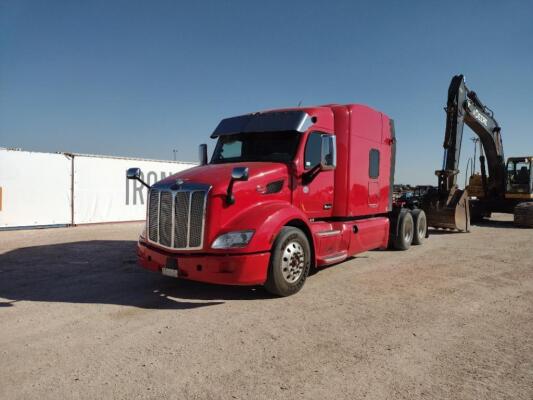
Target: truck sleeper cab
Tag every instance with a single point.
(285, 191)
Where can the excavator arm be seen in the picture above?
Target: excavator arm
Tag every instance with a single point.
(465, 107)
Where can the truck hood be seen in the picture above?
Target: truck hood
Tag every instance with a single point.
(267, 182)
(218, 175)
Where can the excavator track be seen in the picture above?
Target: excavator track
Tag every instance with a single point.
(523, 215)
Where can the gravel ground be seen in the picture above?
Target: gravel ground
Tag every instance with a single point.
(450, 319)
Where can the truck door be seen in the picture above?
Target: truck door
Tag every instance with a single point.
(315, 191)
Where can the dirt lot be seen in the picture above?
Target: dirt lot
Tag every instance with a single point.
(450, 319)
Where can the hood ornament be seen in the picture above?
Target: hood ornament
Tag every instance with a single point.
(176, 185)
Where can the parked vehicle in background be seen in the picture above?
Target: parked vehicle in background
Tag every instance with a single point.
(285, 191)
(422, 190)
(412, 198)
(406, 199)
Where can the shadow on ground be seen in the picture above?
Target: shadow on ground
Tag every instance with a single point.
(495, 223)
(435, 231)
(490, 223)
(103, 272)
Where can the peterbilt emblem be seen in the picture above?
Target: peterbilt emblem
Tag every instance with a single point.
(176, 185)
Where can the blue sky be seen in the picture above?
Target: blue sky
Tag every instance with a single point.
(140, 78)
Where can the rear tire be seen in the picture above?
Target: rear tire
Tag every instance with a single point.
(420, 226)
(523, 215)
(404, 236)
(290, 261)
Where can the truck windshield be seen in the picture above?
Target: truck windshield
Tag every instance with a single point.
(264, 146)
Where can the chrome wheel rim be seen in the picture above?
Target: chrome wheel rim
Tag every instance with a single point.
(292, 262)
(408, 230)
(422, 227)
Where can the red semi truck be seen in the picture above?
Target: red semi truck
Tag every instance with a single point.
(285, 191)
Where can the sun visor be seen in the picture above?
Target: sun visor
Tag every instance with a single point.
(276, 121)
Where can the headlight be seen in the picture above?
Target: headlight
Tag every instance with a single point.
(231, 240)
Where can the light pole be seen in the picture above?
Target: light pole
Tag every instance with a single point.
(175, 152)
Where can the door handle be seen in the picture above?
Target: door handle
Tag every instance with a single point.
(327, 206)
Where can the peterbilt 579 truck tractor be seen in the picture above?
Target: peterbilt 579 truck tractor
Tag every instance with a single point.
(285, 191)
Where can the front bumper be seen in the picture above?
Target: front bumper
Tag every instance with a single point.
(238, 269)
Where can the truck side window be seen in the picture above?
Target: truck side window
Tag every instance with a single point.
(313, 149)
(373, 170)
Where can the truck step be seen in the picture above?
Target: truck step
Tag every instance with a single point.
(334, 258)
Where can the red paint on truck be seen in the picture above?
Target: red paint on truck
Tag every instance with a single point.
(343, 210)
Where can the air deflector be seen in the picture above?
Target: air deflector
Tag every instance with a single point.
(277, 121)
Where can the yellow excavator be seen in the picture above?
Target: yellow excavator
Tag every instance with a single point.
(506, 188)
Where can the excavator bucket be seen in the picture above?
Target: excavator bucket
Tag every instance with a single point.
(451, 212)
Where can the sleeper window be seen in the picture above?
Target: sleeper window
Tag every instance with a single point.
(373, 170)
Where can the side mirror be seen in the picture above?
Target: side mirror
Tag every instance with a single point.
(328, 154)
(237, 174)
(203, 154)
(135, 173)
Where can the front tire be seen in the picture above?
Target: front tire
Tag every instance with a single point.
(289, 262)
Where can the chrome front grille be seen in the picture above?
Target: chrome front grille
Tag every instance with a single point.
(196, 219)
(153, 213)
(181, 215)
(165, 218)
(176, 218)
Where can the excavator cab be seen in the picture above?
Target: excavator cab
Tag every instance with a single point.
(519, 178)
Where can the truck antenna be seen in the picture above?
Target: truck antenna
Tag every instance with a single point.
(300, 103)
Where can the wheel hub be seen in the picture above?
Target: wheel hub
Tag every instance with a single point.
(292, 262)
(408, 231)
(422, 228)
